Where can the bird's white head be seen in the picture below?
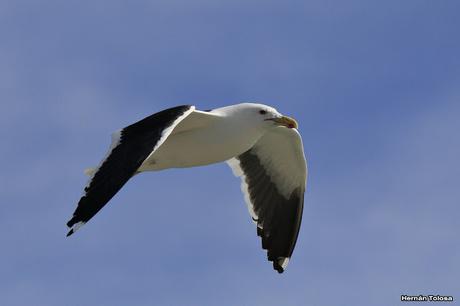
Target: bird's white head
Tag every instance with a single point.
(263, 115)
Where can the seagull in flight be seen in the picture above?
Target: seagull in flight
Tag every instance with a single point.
(262, 147)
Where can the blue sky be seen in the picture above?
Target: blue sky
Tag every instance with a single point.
(375, 86)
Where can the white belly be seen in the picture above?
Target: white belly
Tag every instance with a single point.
(200, 147)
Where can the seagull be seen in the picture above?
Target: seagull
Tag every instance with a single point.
(262, 147)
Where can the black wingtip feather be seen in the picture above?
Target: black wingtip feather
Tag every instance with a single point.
(71, 222)
(70, 233)
(277, 267)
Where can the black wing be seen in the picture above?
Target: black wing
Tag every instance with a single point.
(273, 175)
(134, 144)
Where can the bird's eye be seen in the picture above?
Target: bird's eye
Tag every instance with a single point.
(262, 112)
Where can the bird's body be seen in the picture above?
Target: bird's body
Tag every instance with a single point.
(259, 144)
(219, 139)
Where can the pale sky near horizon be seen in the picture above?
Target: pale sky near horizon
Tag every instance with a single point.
(374, 85)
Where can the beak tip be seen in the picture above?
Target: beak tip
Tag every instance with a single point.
(286, 122)
(291, 123)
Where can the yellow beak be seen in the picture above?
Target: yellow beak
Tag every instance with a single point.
(285, 121)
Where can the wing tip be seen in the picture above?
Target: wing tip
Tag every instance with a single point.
(277, 267)
(74, 226)
(280, 264)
